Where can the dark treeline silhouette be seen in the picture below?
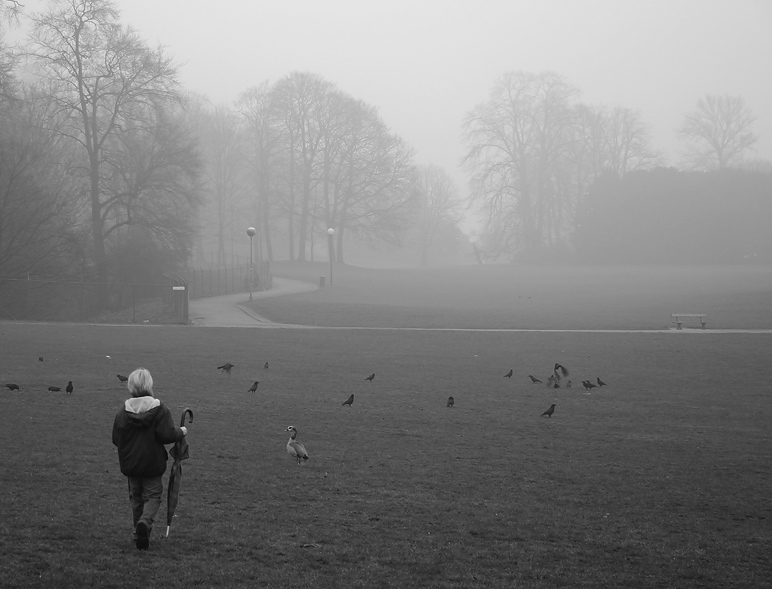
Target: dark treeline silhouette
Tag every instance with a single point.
(665, 216)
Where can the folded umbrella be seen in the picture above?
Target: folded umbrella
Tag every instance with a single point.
(179, 452)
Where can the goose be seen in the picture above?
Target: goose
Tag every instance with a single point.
(295, 448)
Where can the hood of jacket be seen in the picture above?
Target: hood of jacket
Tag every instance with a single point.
(140, 411)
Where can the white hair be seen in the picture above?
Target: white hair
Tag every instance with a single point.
(140, 383)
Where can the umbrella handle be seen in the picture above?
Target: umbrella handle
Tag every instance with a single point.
(188, 410)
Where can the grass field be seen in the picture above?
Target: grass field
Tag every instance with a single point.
(504, 296)
(661, 479)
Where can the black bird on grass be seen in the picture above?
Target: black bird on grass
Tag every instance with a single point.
(122, 378)
(589, 385)
(349, 401)
(40, 358)
(253, 388)
(69, 388)
(451, 402)
(371, 377)
(601, 383)
(226, 367)
(266, 366)
(549, 411)
(54, 389)
(534, 379)
(13, 387)
(508, 374)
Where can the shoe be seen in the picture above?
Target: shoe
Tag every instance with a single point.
(143, 536)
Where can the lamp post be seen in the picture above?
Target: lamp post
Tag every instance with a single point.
(330, 233)
(251, 232)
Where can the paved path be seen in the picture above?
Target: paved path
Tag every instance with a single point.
(228, 311)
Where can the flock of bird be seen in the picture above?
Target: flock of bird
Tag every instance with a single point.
(12, 386)
(298, 451)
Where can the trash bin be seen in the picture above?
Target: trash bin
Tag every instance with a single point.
(321, 282)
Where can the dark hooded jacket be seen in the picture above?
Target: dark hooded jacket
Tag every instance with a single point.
(140, 431)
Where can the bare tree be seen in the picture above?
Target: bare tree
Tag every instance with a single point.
(302, 99)
(628, 143)
(520, 149)
(718, 133)
(151, 178)
(262, 142)
(99, 72)
(38, 227)
(11, 9)
(376, 171)
(438, 205)
(611, 141)
(7, 82)
(224, 179)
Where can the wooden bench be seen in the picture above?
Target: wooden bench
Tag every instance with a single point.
(679, 318)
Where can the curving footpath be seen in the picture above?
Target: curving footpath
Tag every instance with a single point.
(227, 310)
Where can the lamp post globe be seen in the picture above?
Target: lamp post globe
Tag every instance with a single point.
(251, 232)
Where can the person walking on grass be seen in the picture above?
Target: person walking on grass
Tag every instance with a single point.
(140, 430)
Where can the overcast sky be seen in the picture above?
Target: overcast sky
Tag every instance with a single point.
(426, 63)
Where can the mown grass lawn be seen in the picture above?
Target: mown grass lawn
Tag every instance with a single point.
(523, 297)
(661, 479)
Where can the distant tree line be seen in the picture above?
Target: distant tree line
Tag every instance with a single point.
(666, 216)
(538, 159)
(299, 157)
(98, 173)
(110, 172)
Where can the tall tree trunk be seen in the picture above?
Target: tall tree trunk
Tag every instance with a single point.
(304, 213)
(97, 227)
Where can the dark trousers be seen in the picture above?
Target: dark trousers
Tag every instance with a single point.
(145, 498)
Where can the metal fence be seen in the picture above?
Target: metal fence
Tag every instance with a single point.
(222, 280)
(162, 301)
(39, 299)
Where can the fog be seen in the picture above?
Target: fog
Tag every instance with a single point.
(426, 64)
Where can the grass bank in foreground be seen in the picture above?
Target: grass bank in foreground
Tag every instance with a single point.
(660, 479)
